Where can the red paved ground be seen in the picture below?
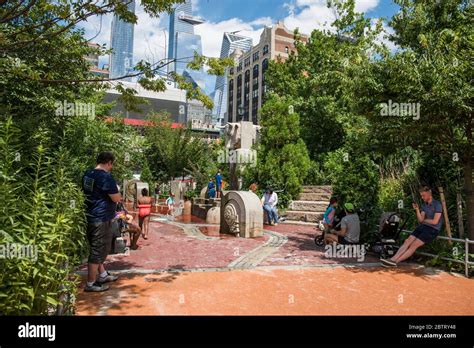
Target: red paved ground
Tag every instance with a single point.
(168, 247)
(317, 291)
(329, 289)
(301, 250)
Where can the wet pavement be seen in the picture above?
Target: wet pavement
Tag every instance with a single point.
(187, 267)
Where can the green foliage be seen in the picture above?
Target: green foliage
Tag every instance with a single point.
(282, 158)
(42, 209)
(354, 180)
(146, 175)
(174, 152)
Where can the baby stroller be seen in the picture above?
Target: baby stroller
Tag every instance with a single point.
(389, 231)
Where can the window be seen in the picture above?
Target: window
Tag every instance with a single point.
(264, 85)
(231, 101)
(265, 49)
(287, 49)
(246, 95)
(231, 71)
(255, 77)
(255, 56)
(239, 67)
(247, 62)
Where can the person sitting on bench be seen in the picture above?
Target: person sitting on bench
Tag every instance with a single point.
(350, 228)
(430, 219)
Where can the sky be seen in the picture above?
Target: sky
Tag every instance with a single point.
(249, 16)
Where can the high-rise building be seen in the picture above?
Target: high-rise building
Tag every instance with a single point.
(246, 82)
(230, 43)
(121, 58)
(183, 42)
(93, 60)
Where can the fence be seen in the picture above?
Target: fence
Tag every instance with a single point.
(466, 261)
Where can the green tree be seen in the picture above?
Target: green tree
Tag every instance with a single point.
(433, 69)
(174, 152)
(282, 157)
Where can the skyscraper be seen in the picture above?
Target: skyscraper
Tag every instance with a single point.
(121, 59)
(183, 42)
(230, 42)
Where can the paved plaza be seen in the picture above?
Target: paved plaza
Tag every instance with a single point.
(187, 267)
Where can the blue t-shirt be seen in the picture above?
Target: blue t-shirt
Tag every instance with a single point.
(218, 178)
(326, 215)
(97, 185)
(210, 185)
(430, 211)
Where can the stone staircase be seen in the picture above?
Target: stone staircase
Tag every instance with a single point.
(310, 206)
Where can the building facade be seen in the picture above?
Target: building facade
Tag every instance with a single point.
(93, 60)
(230, 43)
(121, 41)
(183, 42)
(246, 81)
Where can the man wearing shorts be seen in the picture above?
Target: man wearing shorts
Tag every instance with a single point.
(430, 219)
(102, 196)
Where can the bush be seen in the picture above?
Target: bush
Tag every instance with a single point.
(355, 180)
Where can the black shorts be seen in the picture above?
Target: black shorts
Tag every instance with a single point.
(425, 233)
(99, 236)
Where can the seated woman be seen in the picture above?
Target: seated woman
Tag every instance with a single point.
(126, 226)
(144, 211)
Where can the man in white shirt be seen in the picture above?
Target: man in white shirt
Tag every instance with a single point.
(269, 202)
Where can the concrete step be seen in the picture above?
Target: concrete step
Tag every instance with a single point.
(307, 216)
(303, 205)
(317, 189)
(311, 196)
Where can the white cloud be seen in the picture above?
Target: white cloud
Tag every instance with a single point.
(308, 15)
(212, 33)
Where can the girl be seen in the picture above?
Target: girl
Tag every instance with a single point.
(328, 219)
(144, 211)
(170, 203)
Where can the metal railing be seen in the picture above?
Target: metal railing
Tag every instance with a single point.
(467, 264)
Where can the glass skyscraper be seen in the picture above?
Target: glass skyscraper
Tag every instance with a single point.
(183, 42)
(230, 42)
(121, 59)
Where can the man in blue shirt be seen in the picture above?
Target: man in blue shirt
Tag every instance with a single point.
(218, 178)
(102, 195)
(430, 219)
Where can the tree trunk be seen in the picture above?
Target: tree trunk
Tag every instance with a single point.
(468, 188)
(468, 185)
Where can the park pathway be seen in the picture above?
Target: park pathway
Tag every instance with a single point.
(188, 268)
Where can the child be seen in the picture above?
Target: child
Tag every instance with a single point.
(125, 225)
(211, 191)
(170, 203)
(328, 219)
(144, 211)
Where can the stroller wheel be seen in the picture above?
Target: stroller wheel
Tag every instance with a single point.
(319, 240)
